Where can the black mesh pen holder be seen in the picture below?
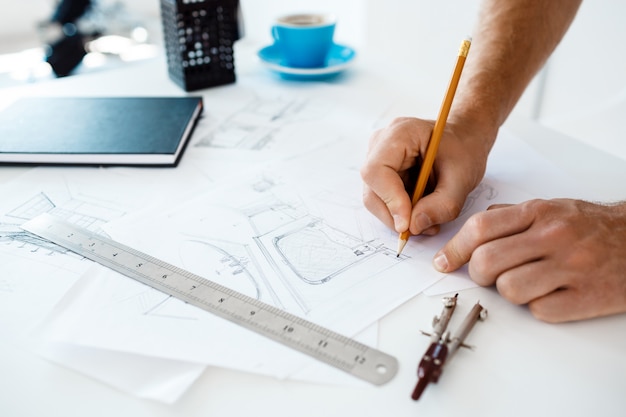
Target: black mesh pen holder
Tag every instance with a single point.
(199, 37)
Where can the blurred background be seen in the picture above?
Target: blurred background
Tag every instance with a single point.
(113, 32)
(582, 83)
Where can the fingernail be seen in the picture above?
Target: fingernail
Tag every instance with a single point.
(440, 262)
(399, 223)
(423, 222)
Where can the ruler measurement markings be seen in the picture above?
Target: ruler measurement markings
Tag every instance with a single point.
(319, 342)
(287, 331)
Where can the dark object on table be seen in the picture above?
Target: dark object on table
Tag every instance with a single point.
(67, 51)
(199, 38)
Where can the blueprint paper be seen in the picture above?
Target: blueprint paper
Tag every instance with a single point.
(35, 274)
(291, 235)
(146, 376)
(338, 276)
(267, 200)
(246, 126)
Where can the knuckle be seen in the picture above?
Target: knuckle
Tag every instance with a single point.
(537, 205)
(369, 199)
(509, 290)
(479, 267)
(478, 225)
(400, 120)
(540, 312)
(441, 209)
(451, 207)
(366, 172)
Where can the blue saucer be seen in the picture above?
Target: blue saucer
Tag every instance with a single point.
(339, 58)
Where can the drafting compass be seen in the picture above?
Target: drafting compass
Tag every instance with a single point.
(442, 345)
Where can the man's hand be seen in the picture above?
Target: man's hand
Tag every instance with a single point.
(395, 150)
(565, 258)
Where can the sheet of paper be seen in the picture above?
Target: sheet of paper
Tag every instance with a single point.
(155, 379)
(263, 121)
(292, 235)
(89, 197)
(244, 125)
(517, 173)
(267, 200)
(344, 291)
(36, 274)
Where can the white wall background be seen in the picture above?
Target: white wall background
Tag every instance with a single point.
(587, 70)
(585, 94)
(17, 23)
(590, 64)
(19, 18)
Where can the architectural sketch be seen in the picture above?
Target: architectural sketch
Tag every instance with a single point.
(76, 211)
(485, 190)
(73, 210)
(232, 265)
(257, 125)
(263, 239)
(308, 252)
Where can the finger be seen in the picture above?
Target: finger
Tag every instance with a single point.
(566, 304)
(479, 229)
(498, 206)
(393, 151)
(377, 207)
(386, 197)
(441, 206)
(514, 254)
(529, 281)
(432, 231)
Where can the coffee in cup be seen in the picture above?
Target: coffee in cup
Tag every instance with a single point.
(304, 39)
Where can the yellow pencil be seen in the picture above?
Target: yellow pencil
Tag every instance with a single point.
(433, 144)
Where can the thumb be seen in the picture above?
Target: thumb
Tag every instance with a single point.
(451, 257)
(398, 203)
(385, 196)
(443, 205)
(480, 228)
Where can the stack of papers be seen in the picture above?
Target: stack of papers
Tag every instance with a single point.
(267, 201)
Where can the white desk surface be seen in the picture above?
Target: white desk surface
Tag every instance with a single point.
(521, 366)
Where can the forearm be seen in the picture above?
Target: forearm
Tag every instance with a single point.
(512, 41)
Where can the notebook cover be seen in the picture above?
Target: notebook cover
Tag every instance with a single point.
(97, 130)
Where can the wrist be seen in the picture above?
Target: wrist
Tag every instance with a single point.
(475, 130)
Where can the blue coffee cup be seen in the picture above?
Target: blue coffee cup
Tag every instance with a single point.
(304, 39)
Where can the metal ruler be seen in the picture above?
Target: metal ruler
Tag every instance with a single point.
(323, 344)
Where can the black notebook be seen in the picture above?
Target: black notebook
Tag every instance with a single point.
(97, 130)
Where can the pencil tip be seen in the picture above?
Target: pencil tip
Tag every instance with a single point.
(401, 244)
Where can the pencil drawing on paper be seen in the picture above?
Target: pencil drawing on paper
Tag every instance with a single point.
(309, 253)
(297, 258)
(485, 190)
(72, 210)
(230, 264)
(258, 123)
(304, 247)
(210, 259)
(80, 213)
